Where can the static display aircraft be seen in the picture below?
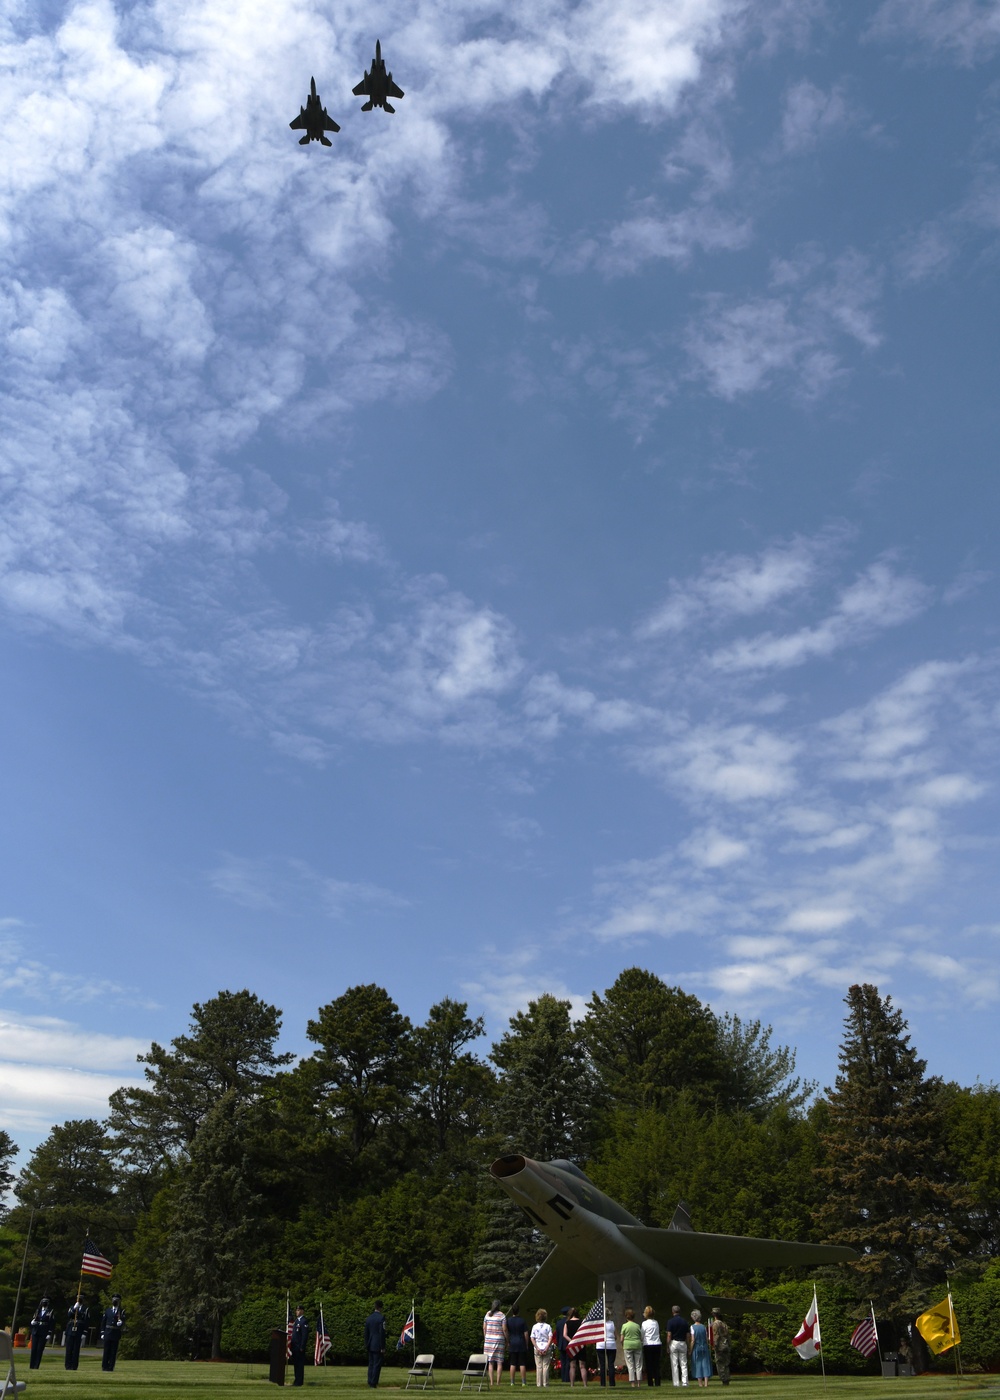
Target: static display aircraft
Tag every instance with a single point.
(377, 84)
(314, 119)
(598, 1243)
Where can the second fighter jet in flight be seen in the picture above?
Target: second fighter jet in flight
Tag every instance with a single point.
(377, 84)
(314, 120)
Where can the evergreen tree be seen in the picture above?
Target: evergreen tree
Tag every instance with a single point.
(454, 1088)
(757, 1077)
(363, 1073)
(648, 1041)
(887, 1189)
(214, 1225)
(230, 1051)
(69, 1180)
(509, 1249)
(973, 1129)
(544, 1097)
(8, 1151)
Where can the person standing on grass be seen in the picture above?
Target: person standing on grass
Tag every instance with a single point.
(718, 1332)
(677, 1330)
(41, 1325)
(632, 1347)
(517, 1339)
(494, 1342)
(112, 1327)
(300, 1341)
(375, 1344)
(541, 1341)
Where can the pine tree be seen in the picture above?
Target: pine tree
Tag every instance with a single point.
(509, 1250)
(885, 1176)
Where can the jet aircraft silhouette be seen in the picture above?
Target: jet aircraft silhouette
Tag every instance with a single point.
(598, 1244)
(314, 120)
(377, 84)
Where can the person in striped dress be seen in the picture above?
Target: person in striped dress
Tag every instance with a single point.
(494, 1341)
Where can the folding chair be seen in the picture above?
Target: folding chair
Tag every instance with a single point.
(475, 1370)
(422, 1370)
(11, 1385)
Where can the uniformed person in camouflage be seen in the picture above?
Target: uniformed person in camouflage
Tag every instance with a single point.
(720, 1345)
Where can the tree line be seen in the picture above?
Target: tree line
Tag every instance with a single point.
(234, 1173)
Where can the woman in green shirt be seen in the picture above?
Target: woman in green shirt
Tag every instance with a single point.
(632, 1347)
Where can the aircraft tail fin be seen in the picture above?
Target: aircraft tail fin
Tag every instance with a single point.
(681, 1218)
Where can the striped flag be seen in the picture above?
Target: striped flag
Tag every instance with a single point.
(94, 1261)
(322, 1341)
(408, 1332)
(289, 1324)
(864, 1338)
(591, 1329)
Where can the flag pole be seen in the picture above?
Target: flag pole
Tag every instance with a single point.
(413, 1339)
(24, 1260)
(954, 1333)
(878, 1344)
(819, 1328)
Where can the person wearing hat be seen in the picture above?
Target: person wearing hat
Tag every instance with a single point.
(719, 1336)
(300, 1340)
(112, 1326)
(41, 1329)
(76, 1329)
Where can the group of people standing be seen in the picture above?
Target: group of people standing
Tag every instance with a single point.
(42, 1328)
(690, 1347)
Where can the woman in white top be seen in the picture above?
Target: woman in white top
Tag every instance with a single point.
(541, 1340)
(652, 1347)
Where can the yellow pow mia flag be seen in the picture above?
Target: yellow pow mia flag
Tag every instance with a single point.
(939, 1327)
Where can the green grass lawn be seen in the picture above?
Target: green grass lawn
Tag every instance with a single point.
(133, 1380)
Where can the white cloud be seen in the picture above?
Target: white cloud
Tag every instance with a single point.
(811, 114)
(292, 887)
(878, 598)
(966, 31)
(738, 585)
(798, 336)
(733, 763)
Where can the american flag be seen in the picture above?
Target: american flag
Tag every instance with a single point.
(407, 1334)
(591, 1329)
(289, 1324)
(864, 1338)
(94, 1261)
(322, 1341)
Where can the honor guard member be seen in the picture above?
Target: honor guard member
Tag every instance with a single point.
(375, 1344)
(300, 1340)
(76, 1329)
(112, 1326)
(721, 1345)
(41, 1330)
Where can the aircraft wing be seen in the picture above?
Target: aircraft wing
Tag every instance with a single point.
(690, 1251)
(556, 1282)
(300, 123)
(394, 91)
(329, 124)
(364, 88)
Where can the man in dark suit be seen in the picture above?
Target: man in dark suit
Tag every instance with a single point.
(76, 1330)
(300, 1340)
(375, 1344)
(112, 1326)
(41, 1329)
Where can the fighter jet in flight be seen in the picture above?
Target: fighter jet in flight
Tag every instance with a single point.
(377, 84)
(599, 1245)
(314, 120)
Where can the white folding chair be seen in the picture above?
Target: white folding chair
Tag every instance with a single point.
(422, 1370)
(11, 1385)
(475, 1370)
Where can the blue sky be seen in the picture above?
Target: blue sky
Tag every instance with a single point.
(551, 530)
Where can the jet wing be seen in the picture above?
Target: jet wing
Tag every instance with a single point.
(329, 124)
(393, 90)
(300, 123)
(690, 1251)
(364, 88)
(556, 1282)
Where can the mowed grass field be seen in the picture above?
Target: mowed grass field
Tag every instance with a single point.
(149, 1380)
